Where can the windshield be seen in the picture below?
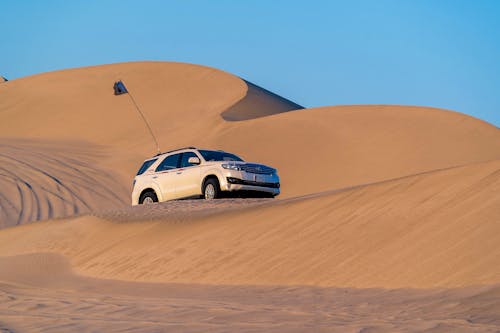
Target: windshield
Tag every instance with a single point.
(217, 155)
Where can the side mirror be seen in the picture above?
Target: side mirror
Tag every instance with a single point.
(194, 160)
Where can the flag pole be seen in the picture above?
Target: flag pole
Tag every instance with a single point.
(143, 118)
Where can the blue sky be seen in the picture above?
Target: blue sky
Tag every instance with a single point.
(424, 52)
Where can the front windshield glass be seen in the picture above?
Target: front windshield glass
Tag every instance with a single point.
(217, 155)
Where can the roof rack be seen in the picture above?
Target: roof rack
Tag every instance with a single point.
(171, 151)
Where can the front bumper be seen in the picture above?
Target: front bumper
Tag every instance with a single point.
(237, 181)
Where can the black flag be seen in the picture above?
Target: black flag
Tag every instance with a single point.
(120, 88)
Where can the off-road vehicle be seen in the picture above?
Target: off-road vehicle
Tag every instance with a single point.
(191, 172)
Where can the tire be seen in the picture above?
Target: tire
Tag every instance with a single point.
(211, 189)
(148, 198)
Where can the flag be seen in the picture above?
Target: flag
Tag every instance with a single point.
(120, 88)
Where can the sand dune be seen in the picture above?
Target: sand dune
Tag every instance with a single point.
(74, 147)
(332, 147)
(437, 229)
(372, 197)
(314, 149)
(181, 101)
(79, 104)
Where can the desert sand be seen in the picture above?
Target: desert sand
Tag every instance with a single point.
(389, 217)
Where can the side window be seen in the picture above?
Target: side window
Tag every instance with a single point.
(170, 162)
(185, 157)
(146, 166)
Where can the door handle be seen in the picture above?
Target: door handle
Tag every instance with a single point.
(178, 172)
(154, 177)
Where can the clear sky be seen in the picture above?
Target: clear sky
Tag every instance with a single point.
(424, 52)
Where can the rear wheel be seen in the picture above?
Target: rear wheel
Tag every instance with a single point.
(211, 189)
(148, 198)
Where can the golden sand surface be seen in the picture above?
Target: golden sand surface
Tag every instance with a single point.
(389, 217)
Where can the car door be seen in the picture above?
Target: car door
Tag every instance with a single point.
(165, 175)
(188, 181)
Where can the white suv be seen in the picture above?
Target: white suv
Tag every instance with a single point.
(192, 172)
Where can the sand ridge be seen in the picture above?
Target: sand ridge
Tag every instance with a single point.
(40, 180)
(422, 231)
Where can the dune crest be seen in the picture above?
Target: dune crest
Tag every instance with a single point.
(258, 102)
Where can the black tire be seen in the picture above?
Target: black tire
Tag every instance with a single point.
(149, 194)
(213, 184)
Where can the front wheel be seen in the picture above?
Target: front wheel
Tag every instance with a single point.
(211, 190)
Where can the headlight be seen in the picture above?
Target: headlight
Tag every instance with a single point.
(236, 167)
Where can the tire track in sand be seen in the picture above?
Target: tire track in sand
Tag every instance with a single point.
(44, 180)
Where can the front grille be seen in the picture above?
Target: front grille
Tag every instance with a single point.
(232, 180)
(257, 168)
